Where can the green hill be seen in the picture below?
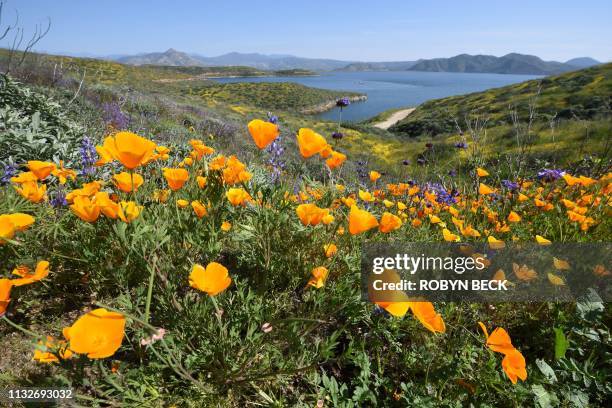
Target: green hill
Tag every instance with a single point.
(581, 94)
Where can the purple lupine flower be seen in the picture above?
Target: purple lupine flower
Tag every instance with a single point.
(443, 196)
(550, 174)
(112, 115)
(337, 135)
(343, 102)
(452, 173)
(421, 161)
(276, 150)
(58, 199)
(89, 156)
(9, 171)
(362, 170)
(272, 118)
(429, 145)
(509, 185)
(461, 145)
(406, 162)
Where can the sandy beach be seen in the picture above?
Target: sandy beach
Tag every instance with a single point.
(394, 118)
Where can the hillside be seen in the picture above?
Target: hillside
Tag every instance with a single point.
(507, 64)
(378, 66)
(583, 62)
(170, 57)
(582, 94)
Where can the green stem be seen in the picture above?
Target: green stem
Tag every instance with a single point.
(150, 289)
(22, 329)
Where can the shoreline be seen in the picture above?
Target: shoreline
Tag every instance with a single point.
(393, 118)
(326, 106)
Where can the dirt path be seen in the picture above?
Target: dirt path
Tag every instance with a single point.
(394, 118)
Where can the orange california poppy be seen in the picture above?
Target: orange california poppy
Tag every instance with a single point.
(499, 340)
(335, 160)
(41, 271)
(514, 366)
(389, 222)
(128, 182)
(310, 142)
(319, 275)
(182, 203)
(43, 355)
(129, 149)
(64, 174)
(128, 211)
(238, 196)
(495, 243)
(176, 178)
(21, 221)
(213, 279)
(310, 214)
(360, 220)
(513, 217)
(449, 236)
(199, 209)
(427, 315)
(226, 226)
(374, 175)
(32, 191)
(484, 189)
(98, 334)
(482, 172)
(330, 250)
(5, 294)
(7, 228)
(523, 272)
(41, 169)
(85, 208)
(262, 132)
(24, 177)
(107, 206)
(201, 181)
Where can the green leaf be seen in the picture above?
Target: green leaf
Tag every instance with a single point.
(547, 370)
(561, 343)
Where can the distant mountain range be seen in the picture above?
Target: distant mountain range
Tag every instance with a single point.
(508, 64)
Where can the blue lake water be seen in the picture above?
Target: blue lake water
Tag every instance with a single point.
(388, 90)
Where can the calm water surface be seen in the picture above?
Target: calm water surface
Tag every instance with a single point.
(388, 90)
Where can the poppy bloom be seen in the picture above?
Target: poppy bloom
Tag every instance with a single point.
(541, 240)
(319, 275)
(107, 206)
(482, 172)
(310, 142)
(43, 355)
(310, 214)
(64, 174)
(128, 211)
(499, 340)
(374, 175)
(5, 294)
(213, 279)
(495, 243)
(7, 228)
(41, 271)
(226, 226)
(514, 366)
(128, 182)
(21, 221)
(513, 217)
(32, 191)
(330, 250)
(98, 334)
(129, 149)
(427, 315)
(176, 178)
(238, 196)
(524, 272)
(449, 236)
(335, 160)
(360, 221)
(24, 177)
(86, 209)
(182, 203)
(201, 181)
(41, 169)
(389, 222)
(262, 132)
(199, 209)
(483, 189)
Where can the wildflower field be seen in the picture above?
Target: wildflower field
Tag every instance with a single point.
(155, 253)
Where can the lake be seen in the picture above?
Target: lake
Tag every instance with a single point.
(387, 90)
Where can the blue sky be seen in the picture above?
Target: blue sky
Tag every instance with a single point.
(352, 30)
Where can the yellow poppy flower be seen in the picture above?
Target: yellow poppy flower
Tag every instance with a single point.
(176, 178)
(374, 175)
(182, 203)
(213, 279)
(330, 250)
(238, 196)
(449, 236)
(41, 169)
(21, 221)
(310, 142)
(5, 294)
(360, 221)
(319, 275)
(128, 182)
(128, 211)
(262, 132)
(129, 149)
(541, 240)
(41, 271)
(226, 226)
(482, 172)
(199, 209)
(98, 334)
(495, 243)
